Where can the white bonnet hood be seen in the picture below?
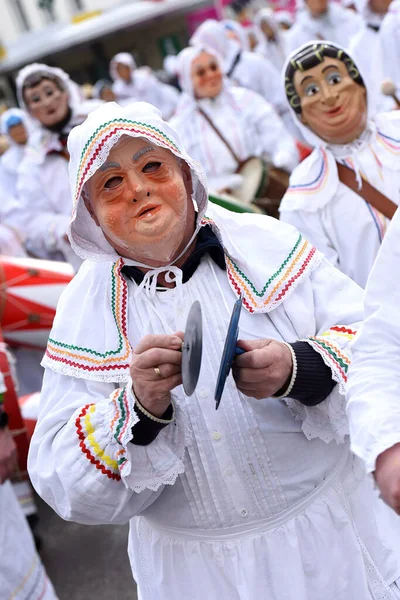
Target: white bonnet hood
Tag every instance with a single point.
(312, 138)
(10, 118)
(74, 93)
(213, 34)
(123, 58)
(184, 65)
(89, 145)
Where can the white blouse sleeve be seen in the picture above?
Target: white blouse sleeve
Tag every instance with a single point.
(81, 458)
(374, 382)
(337, 310)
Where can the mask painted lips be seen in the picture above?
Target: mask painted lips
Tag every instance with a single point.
(335, 111)
(148, 210)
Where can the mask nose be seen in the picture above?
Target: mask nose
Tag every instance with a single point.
(329, 95)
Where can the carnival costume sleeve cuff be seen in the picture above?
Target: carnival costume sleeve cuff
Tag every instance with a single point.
(323, 418)
(148, 426)
(311, 380)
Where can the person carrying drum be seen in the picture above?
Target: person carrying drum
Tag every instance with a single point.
(223, 127)
(222, 504)
(343, 196)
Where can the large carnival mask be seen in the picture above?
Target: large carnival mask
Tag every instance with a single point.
(327, 92)
(206, 76)
(46, 99)
(141, 199)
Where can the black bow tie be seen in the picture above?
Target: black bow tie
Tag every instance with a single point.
(207, 243)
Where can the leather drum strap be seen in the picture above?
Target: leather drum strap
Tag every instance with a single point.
(219, 134)
(370, 194)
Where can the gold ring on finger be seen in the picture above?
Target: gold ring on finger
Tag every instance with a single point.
(157, 372)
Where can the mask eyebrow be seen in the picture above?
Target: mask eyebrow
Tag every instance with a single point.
(305, 79)
(330, 67)
(141, 152)
(109, 165)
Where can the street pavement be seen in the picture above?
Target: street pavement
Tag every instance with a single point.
(85, 562)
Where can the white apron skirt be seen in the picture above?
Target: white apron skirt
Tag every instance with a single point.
(329, 545)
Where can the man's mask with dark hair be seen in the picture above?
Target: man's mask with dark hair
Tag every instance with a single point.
(47, 100)
(326, 91)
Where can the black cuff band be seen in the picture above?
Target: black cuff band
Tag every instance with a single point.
(314, 378)
(146, 429)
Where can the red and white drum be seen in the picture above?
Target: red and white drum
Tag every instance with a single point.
(29, 292)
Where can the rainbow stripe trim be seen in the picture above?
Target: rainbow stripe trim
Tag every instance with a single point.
(334, 356)
(90, 360)
(104, 133)
(389, 143)
(90, 447)
(318, 184)
(278, 285)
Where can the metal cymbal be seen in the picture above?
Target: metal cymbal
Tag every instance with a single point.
(230, 351)
(192, 349)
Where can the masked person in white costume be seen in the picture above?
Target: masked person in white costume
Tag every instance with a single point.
(242, 67)
(232, 495)
(365, 47)
(335, 195)
(373, 391)
(133, 84)
(271, 38)
(322, 20)
(22, 574)
(249, 124)
(54, 103)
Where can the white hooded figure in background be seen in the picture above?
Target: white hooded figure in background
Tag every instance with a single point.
(322, 20)
(221, 504)
(365, 46)
(245, 119)
(55, 105)
(140, 84)
(272, 44)
(242, 67)
(335, 108)
(14, 125)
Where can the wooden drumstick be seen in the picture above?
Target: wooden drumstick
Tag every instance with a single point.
(388, 88)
